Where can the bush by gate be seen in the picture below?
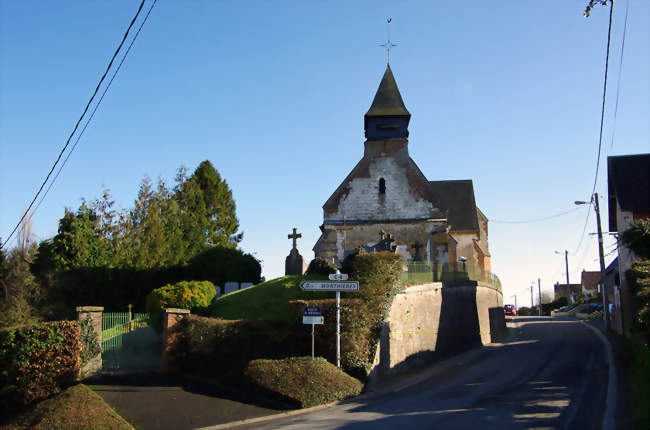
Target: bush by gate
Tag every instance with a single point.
(37, 361)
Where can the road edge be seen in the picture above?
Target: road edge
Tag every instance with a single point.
(466, 357)
(608, 422)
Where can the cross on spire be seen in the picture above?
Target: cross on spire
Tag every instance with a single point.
(295, 236)
(388, 44)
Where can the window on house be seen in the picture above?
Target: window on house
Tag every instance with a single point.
(382, 186)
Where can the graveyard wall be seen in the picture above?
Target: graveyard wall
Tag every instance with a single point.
(434, 321)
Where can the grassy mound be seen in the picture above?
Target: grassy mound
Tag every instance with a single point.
(266, 301)
(307, 382)
(78, 407)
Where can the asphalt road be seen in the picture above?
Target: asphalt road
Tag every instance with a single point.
(551, 373)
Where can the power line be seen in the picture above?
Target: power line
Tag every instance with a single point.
(92, 114)
(602, 112)
(77, 124)
(535, 220)
(620, 72)
(602, 120)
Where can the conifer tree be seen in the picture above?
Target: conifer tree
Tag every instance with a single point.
(221, 220)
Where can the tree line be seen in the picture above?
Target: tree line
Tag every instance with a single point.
(107, 257)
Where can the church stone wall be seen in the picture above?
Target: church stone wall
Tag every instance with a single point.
(434, 321)
(364, 202)
(349, 237)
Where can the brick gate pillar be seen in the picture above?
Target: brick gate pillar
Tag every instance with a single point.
(94, 313)
(171, 317)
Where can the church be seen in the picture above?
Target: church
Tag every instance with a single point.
(386, 202)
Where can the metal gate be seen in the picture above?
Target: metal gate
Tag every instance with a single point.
(129, 344)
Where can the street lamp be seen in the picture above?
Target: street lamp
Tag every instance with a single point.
(566, 261)
(594, 199)
(515, 296)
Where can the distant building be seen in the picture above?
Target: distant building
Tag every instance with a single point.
(569, 291)
(589, 283)
(628, 184)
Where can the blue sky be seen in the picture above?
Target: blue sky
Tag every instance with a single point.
(505, 93)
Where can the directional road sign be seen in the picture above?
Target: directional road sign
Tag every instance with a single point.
(338, 276)
(313, 320)
(330, 285)
(312, 311)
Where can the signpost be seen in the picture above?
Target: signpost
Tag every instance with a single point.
(338, 282)
(312, 315)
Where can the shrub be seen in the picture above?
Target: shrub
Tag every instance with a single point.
(356, 331)
(37, 361)
(307, 382)
(190, 295)
(320, 266)
(378, 274)
(637, 238)
(202, 342)
(639, 277)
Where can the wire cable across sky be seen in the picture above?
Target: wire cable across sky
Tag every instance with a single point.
(74, 130)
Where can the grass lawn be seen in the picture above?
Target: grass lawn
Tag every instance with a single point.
(266, 301)
(78, 407)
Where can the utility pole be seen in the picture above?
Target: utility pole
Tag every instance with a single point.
(531, 299)
(602, 264)
(566, 261)
(539, 290)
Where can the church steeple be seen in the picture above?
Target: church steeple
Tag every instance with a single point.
(387, 117)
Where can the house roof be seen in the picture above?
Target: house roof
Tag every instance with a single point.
(628, 183)
(388, 100)
(590, 280)
(457, 198)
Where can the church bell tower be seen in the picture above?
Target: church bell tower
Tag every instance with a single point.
(387, 117)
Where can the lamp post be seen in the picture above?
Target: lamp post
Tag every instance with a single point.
(515, 296)
(594, 199)
(566, 262)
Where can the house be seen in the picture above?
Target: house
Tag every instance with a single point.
(570, 291)
(628, 184)
(386, 202)
(589, 283)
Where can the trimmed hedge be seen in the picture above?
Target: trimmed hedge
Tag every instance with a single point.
(37, 361)
(190, 295)
(305, 381)
(210, 344)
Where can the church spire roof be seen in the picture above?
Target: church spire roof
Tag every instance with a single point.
(388, 101)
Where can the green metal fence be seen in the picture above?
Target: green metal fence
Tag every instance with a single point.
(424, 272)
(115, 326)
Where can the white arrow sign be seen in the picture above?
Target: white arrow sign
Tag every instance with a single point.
(330, 285)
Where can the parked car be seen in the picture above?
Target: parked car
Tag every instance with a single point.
(510, 310)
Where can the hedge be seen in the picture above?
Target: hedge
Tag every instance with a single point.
(302, 380)
(211, 344)
(37, 361)
(190, 295)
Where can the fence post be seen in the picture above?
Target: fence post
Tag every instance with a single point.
(171, 317)
(94, 365)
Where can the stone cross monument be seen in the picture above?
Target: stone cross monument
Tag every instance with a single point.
(293, 263)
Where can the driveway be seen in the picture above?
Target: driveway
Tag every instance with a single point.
(155, 401)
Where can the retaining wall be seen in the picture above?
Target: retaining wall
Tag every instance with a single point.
(436, 320)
